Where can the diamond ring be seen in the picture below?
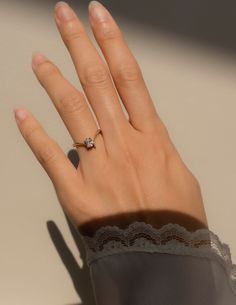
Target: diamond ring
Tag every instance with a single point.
(88, 142)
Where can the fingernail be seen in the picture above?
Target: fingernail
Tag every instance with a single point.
(64, 11)
(98, 11)
(38, 58)
(60, 3)
(20, 114)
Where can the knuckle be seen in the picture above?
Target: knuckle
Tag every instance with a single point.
(163, 155)
(96, 75)
(73, 35)
(29, 132)
(156, 127)
(47, 154)
(106, 33)
(160, 146)
(128, 73)
(71, 103)
(47, 69)
(124, 150)
(166, 153)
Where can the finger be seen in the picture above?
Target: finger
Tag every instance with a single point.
(49, 154)
(123, 66)
(92, 71)
(71, 105)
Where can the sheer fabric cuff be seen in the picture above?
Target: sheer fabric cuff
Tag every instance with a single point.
(171, 238)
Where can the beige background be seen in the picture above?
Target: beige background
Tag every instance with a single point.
(194, 91)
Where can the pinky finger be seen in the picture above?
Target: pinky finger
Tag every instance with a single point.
(62, 173)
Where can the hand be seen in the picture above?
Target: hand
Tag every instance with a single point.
(135, 167)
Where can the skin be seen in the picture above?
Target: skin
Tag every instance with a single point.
(135, 168)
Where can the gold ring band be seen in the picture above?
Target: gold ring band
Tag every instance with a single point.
(88, 142)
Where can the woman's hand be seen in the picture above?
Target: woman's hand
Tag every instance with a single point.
(135, 167)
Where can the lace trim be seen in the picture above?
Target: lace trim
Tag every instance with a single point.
(170, 238)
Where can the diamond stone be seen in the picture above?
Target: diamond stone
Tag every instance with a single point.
(89, 143)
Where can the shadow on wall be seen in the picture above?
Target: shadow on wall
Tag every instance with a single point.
(209, 22)
(80, 276)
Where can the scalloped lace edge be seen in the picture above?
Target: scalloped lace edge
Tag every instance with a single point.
(171, 238)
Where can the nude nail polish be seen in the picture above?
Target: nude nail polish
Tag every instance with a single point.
(98, 12)
(20, 114)
(38, 58)
(64, 12)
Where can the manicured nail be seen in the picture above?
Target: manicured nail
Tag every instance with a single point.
(98, 11)
(38, 58)
(64, 12)
(20, 114)
(60, 3)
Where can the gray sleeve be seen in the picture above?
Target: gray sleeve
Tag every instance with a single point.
(141, 265)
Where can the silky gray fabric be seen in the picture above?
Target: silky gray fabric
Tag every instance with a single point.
(140, 278)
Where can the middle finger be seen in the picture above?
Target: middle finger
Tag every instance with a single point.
(92, 71)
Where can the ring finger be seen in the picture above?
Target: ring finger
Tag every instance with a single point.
(70, 103)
